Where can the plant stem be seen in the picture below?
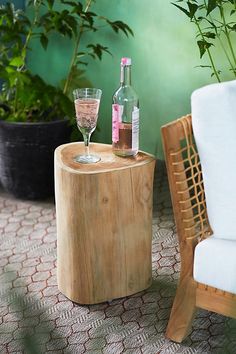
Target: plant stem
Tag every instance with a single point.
(227, 32)
(29, 34)
(16, 97)
(75, 51)
(208, 50)
(220, 41)
(23, 52)
(226, 54)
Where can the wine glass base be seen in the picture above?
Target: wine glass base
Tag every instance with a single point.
(87, 158)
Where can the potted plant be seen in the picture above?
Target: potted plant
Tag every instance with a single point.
(36, 117)
(216, 26)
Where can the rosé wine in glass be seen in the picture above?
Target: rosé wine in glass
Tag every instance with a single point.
(86, 114)
(87, 101)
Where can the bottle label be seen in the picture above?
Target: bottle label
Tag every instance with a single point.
(135, 129)
(116, 119)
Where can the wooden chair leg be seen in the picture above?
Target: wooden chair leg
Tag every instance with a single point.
(183, 311)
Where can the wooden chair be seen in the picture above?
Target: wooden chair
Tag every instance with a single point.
(188, 199)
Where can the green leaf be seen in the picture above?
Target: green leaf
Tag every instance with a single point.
(87, 17)
(78, 9)
(213, 74)
(44, 41)
(50, 3)
(119, 25)
(71, 21)
(81, 54)
(233, 28)
(98, 50)
(80, 62)
(211, 5)
(10, 69)
(192, 9)
(203, 66)
(186, 12)
(12, 78)
(209, 35)
(203, 46)
(17, 61)
(71, 3)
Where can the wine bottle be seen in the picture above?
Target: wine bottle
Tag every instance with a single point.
(125, 115)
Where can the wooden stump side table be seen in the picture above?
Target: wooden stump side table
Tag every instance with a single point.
(104, 224)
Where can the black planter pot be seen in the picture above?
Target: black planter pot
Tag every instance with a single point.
(26, 157)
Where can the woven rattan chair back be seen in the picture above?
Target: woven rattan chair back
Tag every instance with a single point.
(186, 182)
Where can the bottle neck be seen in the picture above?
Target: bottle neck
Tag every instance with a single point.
(125, 75)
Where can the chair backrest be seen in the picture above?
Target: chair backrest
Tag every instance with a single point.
(185, 180)
(214, 127)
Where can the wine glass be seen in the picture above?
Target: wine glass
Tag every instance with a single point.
(87, 101)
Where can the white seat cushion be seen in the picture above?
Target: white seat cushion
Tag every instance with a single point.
(214, 126)
(215, 263)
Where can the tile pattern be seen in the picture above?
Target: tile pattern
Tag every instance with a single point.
(33, 311)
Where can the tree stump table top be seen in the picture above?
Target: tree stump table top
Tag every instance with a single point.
(108, 162)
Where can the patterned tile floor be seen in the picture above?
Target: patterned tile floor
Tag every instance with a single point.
(33, 311)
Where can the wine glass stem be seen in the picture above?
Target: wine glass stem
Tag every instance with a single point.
(86, 143)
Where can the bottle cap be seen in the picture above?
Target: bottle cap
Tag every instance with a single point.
(125, 61)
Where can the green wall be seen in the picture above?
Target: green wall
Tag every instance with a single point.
(164, 56)
(17, 3)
